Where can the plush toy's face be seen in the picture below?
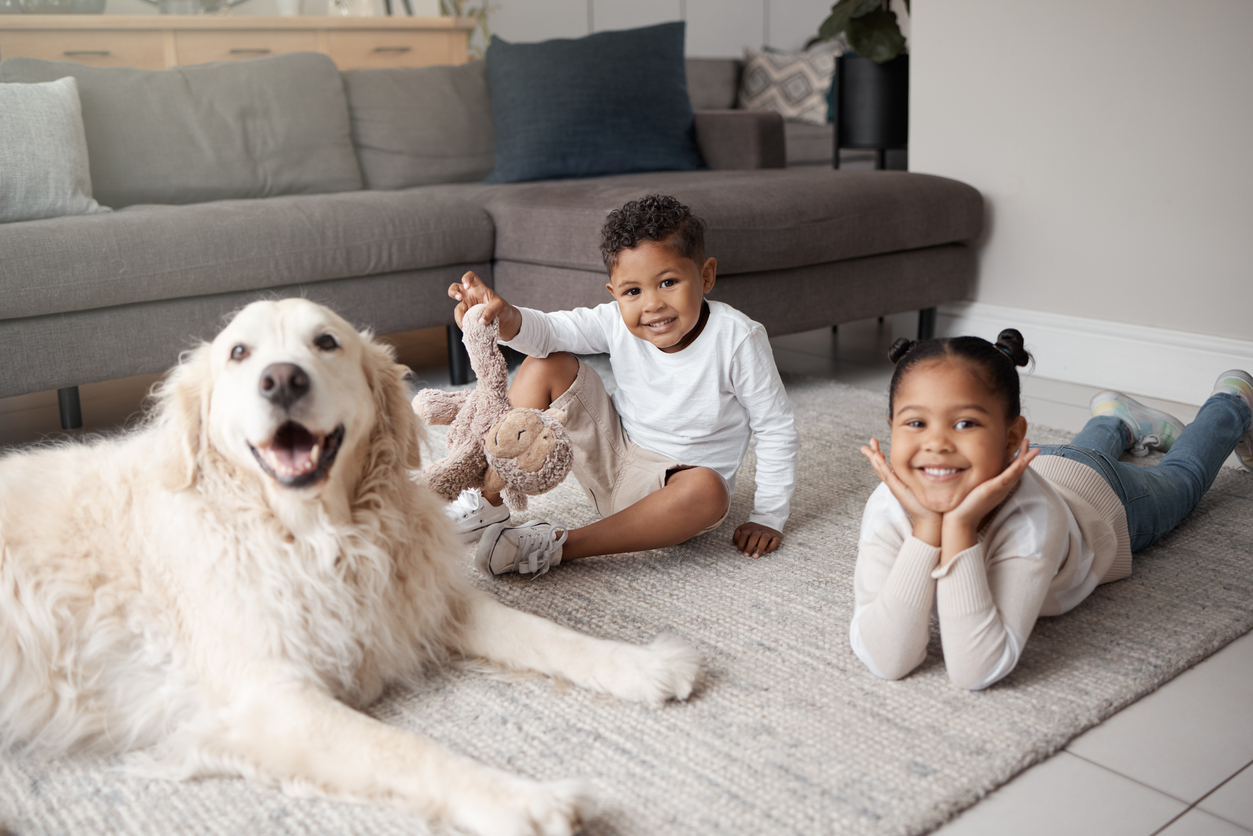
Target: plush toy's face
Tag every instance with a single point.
(521, 435)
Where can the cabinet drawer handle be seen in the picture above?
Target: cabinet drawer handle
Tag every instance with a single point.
(250, 52)
(393, 49)
(98, 52)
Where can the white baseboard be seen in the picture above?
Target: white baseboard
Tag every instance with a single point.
(1170, 365)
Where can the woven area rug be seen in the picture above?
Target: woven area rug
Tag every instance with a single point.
(787, 733)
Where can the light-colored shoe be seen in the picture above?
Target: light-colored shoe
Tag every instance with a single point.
(1151, 429)
(530, 548)
(471, 515)
(1240, 383)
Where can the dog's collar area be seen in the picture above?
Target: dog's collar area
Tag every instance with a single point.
(295, 457)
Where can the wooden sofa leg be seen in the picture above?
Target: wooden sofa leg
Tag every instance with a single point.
(926, 323)
(71, 410)
(458, 358)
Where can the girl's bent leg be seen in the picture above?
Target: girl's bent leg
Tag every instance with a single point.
(1159, 497)
(1104, 434)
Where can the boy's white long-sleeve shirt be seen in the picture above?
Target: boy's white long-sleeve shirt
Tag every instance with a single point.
(699, 405)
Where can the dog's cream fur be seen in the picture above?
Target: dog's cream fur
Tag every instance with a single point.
(164, 591)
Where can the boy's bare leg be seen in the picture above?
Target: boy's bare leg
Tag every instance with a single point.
(691, 501)
(539, 382)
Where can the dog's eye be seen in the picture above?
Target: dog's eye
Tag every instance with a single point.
(239, 352)
(326, 342)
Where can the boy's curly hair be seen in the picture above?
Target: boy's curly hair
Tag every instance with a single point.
(656, 217)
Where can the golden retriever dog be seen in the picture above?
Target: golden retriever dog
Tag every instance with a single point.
(225, 587)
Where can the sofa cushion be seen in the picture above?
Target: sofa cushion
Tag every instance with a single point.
(795, 85)
(421, 125)
(44, 170)
(757, 220)
(612, 102)
(147, 253)
(713, 83)
(269, 126)
(809, 144)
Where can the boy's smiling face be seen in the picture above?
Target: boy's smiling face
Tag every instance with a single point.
(660, 294)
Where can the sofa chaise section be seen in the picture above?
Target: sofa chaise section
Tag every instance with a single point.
(796, 249)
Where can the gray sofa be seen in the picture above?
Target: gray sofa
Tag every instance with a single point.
(282, 175)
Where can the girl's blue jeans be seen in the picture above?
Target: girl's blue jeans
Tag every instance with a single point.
(1156, 498)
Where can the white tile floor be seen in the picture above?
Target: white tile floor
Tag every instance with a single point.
(1178, 763)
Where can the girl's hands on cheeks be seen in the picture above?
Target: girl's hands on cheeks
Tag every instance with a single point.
(984, 498)
(471, 291)
(927, 523)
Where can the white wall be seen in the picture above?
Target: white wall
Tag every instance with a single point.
(1111, 142)
(715, 28)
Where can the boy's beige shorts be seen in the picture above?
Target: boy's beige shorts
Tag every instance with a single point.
(614, 471)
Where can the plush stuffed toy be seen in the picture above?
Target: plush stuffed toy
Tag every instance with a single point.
(492, 445)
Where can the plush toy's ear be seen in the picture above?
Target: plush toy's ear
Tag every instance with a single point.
(396, 423)
(181, 418)
(558, 415)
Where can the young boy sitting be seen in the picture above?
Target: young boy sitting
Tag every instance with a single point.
(695, 379)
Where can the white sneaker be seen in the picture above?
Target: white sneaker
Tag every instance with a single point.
(1151, 429)
(1240, 383)
(533, 547)
(471, 515)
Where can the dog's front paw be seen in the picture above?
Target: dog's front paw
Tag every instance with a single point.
(663, 670)
(518, 807)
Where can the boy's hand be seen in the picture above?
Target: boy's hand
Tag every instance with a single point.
(754, 539)
(927, 523)
(471, 291)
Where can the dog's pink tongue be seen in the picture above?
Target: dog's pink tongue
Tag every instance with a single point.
(294, 451)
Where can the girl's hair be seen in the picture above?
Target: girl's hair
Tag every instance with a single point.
(996, 364)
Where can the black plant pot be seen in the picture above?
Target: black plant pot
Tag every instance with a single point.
(872, 105)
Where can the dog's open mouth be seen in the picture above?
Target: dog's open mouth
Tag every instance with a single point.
(296, 458)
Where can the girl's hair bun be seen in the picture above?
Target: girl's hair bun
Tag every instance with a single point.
(900, 348)
(1009, 342)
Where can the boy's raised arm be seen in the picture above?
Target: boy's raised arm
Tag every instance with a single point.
(471, 291)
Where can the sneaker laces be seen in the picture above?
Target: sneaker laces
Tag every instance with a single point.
(1140, 447)
(465, 505)
(536, 548)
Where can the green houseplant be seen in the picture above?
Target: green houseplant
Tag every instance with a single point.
(869, 26)
(870, 92)
(482, 35)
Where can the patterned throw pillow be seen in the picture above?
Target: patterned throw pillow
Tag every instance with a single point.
(792, 84)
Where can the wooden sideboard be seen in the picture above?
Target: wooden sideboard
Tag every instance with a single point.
(155, 42)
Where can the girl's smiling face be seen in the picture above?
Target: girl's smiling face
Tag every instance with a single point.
(661, 293)
(949, 433)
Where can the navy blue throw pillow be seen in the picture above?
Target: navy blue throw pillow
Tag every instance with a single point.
(610, 103)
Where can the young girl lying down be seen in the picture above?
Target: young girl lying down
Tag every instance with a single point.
(994, 533)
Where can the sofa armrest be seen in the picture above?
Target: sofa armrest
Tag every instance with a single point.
(738, 139)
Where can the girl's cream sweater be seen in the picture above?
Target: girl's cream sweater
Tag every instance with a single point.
(1060, 533)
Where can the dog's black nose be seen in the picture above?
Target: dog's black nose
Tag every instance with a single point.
(283, 384)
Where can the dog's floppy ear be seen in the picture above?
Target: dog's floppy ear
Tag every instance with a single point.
(396, 423)
(182, 404)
